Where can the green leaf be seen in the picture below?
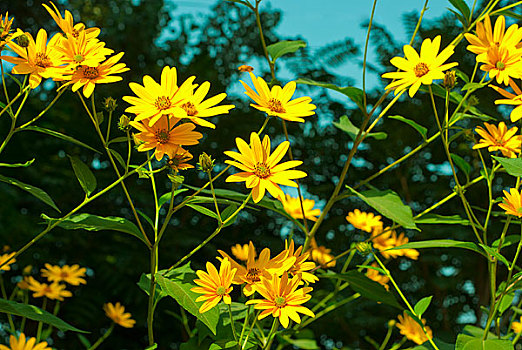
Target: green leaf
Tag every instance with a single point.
(476, 331)
(461, 19)
(166, 197)
(152, 347)
(513, 166)
(506, 302)
(466, 342)
(35, 191)
(353, 93)
(508, 240)
(346, 125)
(305, 344)
(462, 7)
(442, 243)
(85, 342)
(461, 164)
(119, 158)
(17, 165)
(144, 284)
(84, 175)
(422, 305)
(36, 314)
(473, 86)
(441, 219)
(224, 344)
(389, 204)
(117, 139)
(60, 136)
(493, 251)
(509, 14)
(203, 210)
(284, 47)
(420, 129)
(179, 289)
(91, 222)
(366, 287)
(227, 213)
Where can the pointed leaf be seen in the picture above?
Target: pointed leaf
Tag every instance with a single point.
(35, 191)
(346, 125)
(462, 7)
(203, 210)
(441, 219)
(84, 175)
(284, 47)
(60, 136)
(513, 166)
(422, 305)
(461, 164)
(441, 243)
(353, 93)
(420, 129)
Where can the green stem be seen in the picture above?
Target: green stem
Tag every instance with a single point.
(250, 330)
(4, 295)
(232, 324)
(40, 324)
(102, 338)
(271, 334)
(41, 114)
(109, 122)
(214, 197)
(387, 338)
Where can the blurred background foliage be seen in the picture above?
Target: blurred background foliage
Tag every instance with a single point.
(211, 48)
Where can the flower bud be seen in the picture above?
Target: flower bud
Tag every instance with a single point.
(391, 323)
(450, 80)
(23, 40)
(206, 163)
(123, 124)
(110, 104)
(364, 248)
(245, 68)
(27, 270)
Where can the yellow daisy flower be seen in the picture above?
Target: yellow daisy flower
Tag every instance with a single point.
(277, 101)
(40, 59)
(301, 267)
(179, 160)
(197, 109)
(69, 274)
(389, 239)
(499, 139)
(81, 51)
(512, 202)
(260, 169)
(5, 30)
(293, 207)
(241, 251)
(517, 326)
(502, 64)
(53, 291)
(412, 330)
(6, 257)
(23, 343)
(255, 269)
(321, 255)
(374, 275)
(488, 38)
(419, 69)
(116, 312)
(364, 221)
(282, 299)
(164, 136)
(512, 99)
(214, 285)
(154, 100)
(67, 25)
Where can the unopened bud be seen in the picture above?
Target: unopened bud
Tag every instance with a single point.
(245, 68)
(450, 80)
(364, 248)
(206, 163)
(23, 40)
(391, 323)
(27, 270)
(110, 104)
(123, 124)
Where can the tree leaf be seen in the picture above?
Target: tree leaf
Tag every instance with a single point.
(466, 342)
(284, 47)
(34, 313)
(203, 210)
(442, 243)
(366, 287)
(346, 125)
(389, 204)
(179, 289)
(513, 166)
(420, 129)
(462, 7)
(17, 165)
(353, 93)
(84, 175)
(119, 158)
(422, 305)
(227, 213)
(441, 219)
(60, 136)
(91, 222)
(461, 164)
(35, 191)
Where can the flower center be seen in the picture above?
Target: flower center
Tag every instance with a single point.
(280, 301)
(75, 33)
(221, 291)
(276, 106)
(421, 69)
(78, 58)
(64, 274)
(190, 109)
(42, 60)
(90, 72)
(162, 103)
(500, 65)
(162, 136)
(253, 275)
(261, 170)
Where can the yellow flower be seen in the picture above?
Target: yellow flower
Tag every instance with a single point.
(53, 291)
(419, 69)
(241, 252)
(374, 275)
(488, 38)
(179, 160)
(512, 99)
(412, 330)
(81, 51)
(364, 221)
(255, 269)
(389, 239)
(67, 25)
(23, 343)
(24, 283)
(517, 326)
(283, 299)
(321, 255)
(260, 169)
(87, 77)
(5, 30)
(214, 285)
(499, 139)
(6, 257)
(40, 59)
(155, 100)
(512, 202)
(301, 266)
(244, 68)
(503, 64)
(116, 312)
(293, 207)
(196, 108)
(277, 101)
(69, 274)
(165, 136)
